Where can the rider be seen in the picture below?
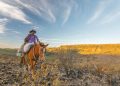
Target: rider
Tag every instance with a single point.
(29, 41)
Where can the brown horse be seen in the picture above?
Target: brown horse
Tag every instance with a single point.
(35, 53)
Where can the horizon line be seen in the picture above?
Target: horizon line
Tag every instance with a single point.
(67, 45)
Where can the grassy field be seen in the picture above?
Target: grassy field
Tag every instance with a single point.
(64, 66)
(110, 49)
(7, 52)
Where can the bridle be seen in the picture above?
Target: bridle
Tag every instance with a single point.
(39, 52)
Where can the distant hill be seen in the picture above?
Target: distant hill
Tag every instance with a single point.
(113, 49)
(8, 52)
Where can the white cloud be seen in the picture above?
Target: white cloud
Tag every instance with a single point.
(47, 10)
(51, 15)
(40, 7)
(67, 14)
(2, 28)
(3, 20)
(16, 32)
(111, 17)
(99, 10)
(46, 7)
(3, 23)
(68, 8)
(12, 12)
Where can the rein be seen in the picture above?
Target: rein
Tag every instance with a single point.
(34, 53)
(39, 53)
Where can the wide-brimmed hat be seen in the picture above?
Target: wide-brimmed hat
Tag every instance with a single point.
(32, 31)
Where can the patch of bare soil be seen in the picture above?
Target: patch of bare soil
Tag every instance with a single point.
(9, 71)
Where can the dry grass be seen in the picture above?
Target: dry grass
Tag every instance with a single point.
(110, 49)
(67, 68)
(90, 70)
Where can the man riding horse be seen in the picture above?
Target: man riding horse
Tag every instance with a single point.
(33, 50)
(29, 41)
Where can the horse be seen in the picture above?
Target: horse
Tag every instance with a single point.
(37, 52)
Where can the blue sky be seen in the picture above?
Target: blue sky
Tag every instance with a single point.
(60, 21)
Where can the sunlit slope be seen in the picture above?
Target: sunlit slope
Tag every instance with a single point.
(91, 48)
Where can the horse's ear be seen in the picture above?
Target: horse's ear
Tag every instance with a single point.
(46, 45)
(43, 45)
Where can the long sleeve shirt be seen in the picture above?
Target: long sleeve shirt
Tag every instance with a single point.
(32, 38)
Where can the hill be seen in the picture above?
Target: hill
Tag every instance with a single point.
(113, 49)
(110, 49)
(8, 52)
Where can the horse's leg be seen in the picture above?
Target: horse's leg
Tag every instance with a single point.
(21, 61)
(32, 68)
(24, 61)
(34, 64)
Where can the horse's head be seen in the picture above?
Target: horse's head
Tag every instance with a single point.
(41, 48)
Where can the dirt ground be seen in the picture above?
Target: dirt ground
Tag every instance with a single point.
(53, 74)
